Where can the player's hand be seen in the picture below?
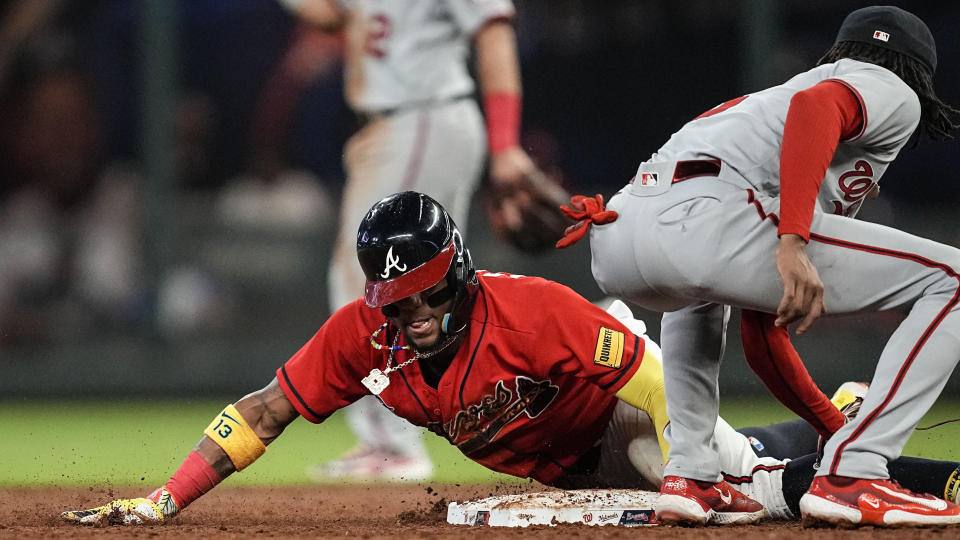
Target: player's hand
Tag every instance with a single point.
(802, 289)
(509, 170)
(511, 166)
(153, 509)
(515, 176)
(523, 203)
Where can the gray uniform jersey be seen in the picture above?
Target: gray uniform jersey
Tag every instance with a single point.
(692, 247)
(746, 134)
(408, 52)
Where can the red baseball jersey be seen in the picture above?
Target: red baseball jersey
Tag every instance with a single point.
(530, 390)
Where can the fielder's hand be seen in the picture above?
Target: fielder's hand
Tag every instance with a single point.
(153, 509)
(802, 289)
(523, 203)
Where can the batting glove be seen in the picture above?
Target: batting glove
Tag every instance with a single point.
(152, 509)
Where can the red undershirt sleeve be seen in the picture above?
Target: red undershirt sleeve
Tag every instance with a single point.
(771, 355)
(817, 120)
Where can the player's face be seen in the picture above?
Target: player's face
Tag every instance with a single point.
(419, 322)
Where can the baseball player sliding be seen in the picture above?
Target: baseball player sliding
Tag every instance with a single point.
(407, 77)
(725, 214)
(559, 391)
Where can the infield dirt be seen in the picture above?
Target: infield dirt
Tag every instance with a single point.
(360, 511)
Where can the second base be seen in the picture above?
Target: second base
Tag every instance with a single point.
(624, 507)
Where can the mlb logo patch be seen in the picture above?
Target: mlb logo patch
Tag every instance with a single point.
(649, 179)
(881, 35)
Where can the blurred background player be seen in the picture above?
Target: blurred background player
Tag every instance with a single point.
(407, 78)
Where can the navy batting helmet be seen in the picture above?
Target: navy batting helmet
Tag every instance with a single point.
(406, 244)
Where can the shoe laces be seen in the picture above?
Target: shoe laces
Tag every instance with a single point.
(896, 485)
(852, 409)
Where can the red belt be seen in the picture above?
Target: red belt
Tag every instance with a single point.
(693, 168)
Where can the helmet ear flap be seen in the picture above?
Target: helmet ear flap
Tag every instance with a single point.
(464, 270)
(463, 277)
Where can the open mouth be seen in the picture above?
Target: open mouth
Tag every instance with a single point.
(420, 327)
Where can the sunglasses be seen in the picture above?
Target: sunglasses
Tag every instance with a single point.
(435, 299)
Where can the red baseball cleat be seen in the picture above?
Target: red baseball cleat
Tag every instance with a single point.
(842, 500)
(683, 500)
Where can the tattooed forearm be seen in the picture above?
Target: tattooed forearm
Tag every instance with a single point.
(271, 422)
(268, 411)
(216, 457)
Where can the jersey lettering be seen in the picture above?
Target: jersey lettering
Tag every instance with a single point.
(467, 421)
(855, 185)
(379, 30)
(533, 397)
(722, 107)
(861, 184)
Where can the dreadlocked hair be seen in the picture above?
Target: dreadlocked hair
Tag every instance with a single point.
(937, 119)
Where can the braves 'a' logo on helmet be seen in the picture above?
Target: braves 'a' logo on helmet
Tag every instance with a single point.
(392, 261)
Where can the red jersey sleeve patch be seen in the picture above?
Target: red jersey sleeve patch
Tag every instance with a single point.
(623, 374)
(609, 351)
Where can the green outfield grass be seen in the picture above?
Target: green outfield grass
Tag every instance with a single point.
(142, 443)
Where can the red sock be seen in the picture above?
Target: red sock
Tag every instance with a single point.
(772, 357)
(194, 478)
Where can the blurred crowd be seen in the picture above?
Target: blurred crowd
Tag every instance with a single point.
(260, 120)
(73, 217)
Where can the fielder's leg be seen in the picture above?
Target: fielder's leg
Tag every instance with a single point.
(692, 340)
(693, 489)
(939, 478)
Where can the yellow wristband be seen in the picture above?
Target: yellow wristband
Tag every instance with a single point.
(231, 432)
(952, 490)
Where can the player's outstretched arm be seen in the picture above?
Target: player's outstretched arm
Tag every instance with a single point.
(235, 438)
(771, 355)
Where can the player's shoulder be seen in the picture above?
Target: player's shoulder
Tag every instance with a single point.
(888, 101)
(524, 302)
(517, 283)
(867, 77)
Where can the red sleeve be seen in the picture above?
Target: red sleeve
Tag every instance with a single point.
(324, 375)
(589, 342)
(771, 355)
(818, 118)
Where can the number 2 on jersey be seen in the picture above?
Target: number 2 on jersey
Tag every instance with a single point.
(378, 30)
(722, 107)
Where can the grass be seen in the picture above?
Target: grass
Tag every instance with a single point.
(124, 443)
